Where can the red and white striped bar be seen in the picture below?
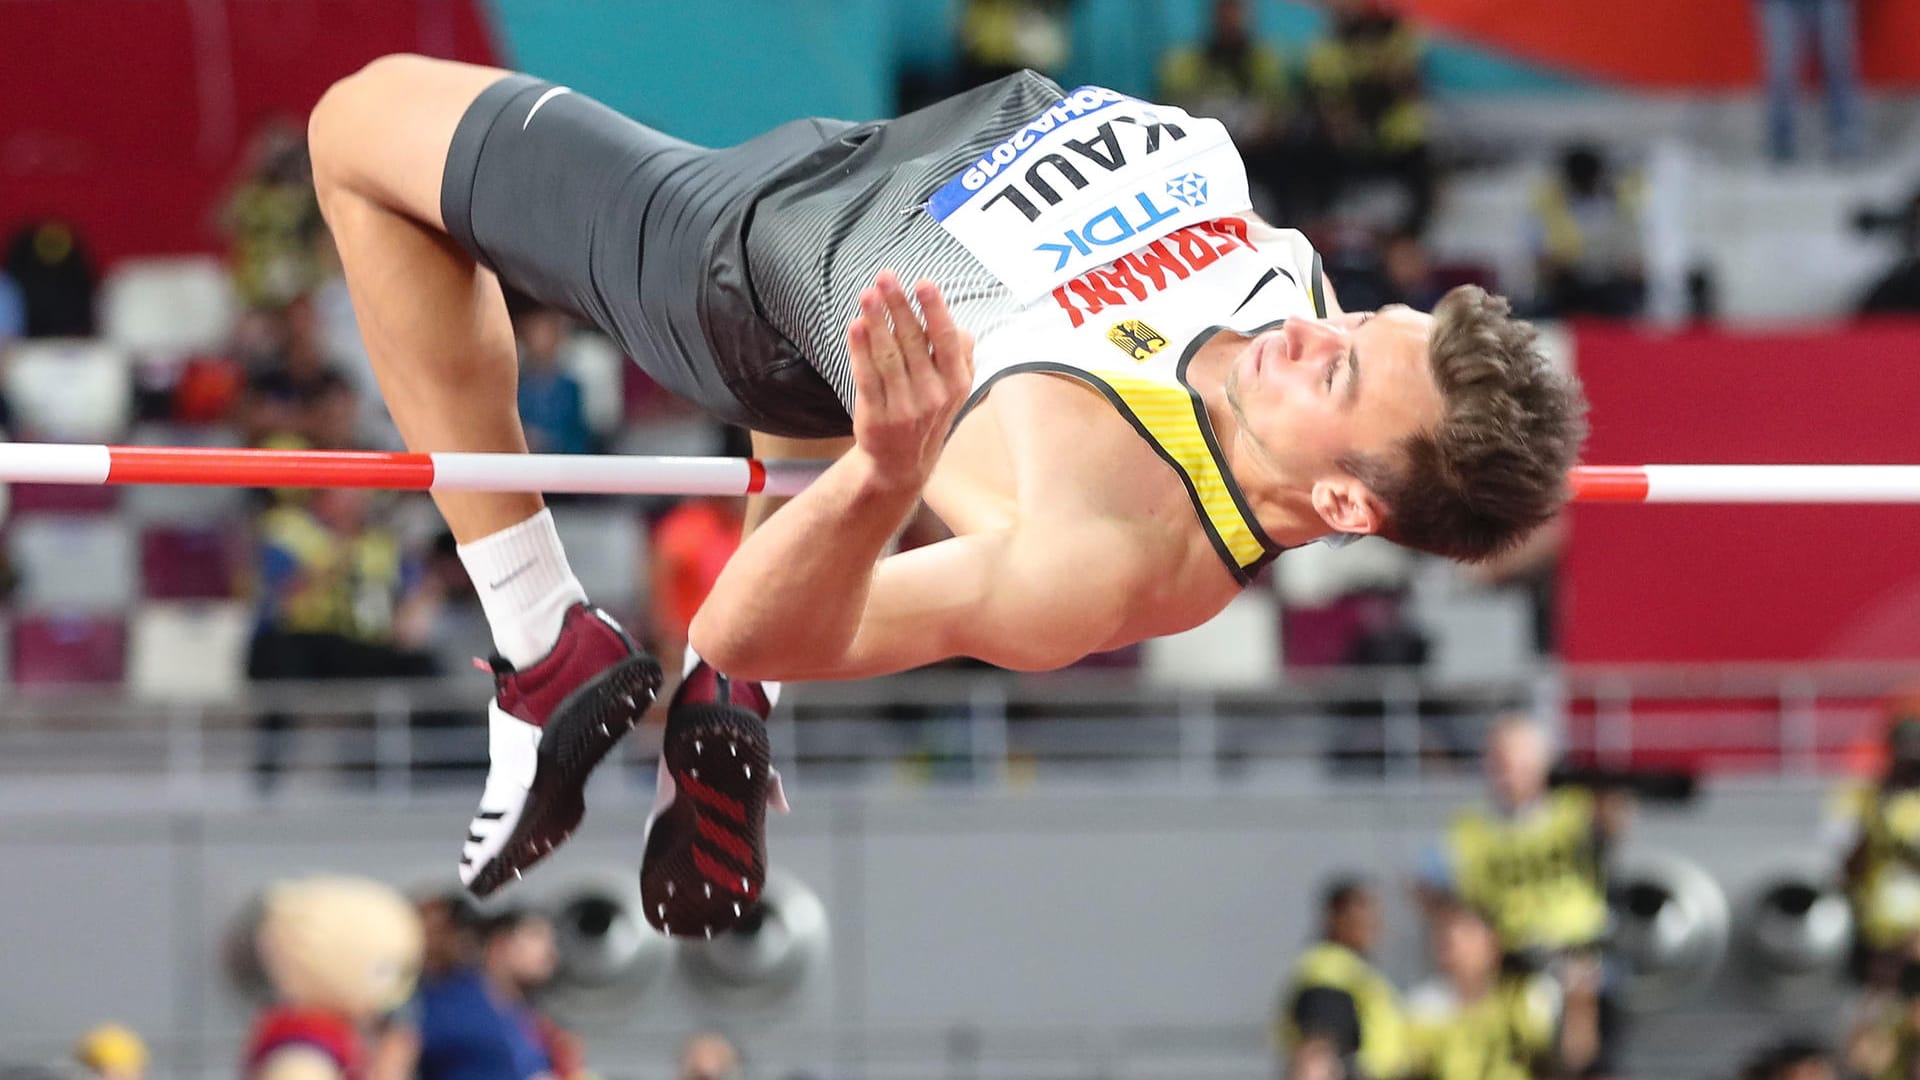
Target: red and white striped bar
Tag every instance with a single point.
(1775, 484)
(49, 463)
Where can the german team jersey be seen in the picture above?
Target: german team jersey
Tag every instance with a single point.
(1129, 330)
(1084, 234)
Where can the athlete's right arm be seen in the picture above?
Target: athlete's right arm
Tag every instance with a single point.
(792, 598)
(1024, 598)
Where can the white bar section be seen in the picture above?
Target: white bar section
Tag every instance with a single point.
(1783, 483)
(590, 475)
(53, 463)
(792, 477)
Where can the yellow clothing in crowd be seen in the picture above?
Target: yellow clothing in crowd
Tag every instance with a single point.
(1536, 875)
(1378, 1049)
(1502, 1036)
(1886, 893)
(315, 581)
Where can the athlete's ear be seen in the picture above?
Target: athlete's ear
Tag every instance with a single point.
(1347, 505)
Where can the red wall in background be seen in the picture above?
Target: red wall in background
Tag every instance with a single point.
(130, 118)
(1673, 44)
(1659, 583)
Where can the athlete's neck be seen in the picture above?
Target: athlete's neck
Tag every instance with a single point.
(1285, 511)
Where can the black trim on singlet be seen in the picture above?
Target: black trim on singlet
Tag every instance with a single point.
(1267, 543)
(1319, 288)
(1090, 379)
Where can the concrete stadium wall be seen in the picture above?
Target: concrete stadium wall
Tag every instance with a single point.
(1142, 932)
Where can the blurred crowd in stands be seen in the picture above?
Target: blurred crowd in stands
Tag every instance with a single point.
(1530, 971)
(472, 1012)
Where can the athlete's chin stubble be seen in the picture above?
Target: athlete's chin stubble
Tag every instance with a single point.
(1239, 412)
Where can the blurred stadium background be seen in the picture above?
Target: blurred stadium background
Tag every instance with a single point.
(1103, 872)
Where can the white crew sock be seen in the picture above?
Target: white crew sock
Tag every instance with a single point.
(525, 587)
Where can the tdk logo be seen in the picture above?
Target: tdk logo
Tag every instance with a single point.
(1112, 226)
(1189, 189)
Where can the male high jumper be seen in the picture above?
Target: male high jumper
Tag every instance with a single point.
(1123, 393)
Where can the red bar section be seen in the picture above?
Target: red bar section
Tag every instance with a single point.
(1602, 483)
(756, 476)
(269, 468)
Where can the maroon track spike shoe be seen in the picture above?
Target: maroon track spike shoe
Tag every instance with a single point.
(547, 727)
(706, 854)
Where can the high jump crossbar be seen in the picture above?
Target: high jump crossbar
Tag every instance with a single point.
(55, 463)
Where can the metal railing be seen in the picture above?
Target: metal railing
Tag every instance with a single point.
(989, 729)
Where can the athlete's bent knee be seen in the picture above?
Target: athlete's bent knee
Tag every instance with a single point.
(339, 121)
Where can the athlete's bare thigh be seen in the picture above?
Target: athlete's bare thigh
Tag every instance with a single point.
(384, 132)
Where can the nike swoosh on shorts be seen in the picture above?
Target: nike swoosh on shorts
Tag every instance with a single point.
(542, 100)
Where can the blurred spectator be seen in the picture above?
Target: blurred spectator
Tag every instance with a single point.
(472, 1021)
(1339, 1016)
(1898, 291)
(207, 391)
(289, 373)
(1586, 239)
(709, 1055)
(1785, 27)
(1409, 272)
(1880, 830)
(450, 928)
(272, 218)
(50, 267)
(1885, 1041)
(1238, 81)
(330, 413)
(1368, 115)
(112, 1052)
(13, 310)
(1375, 271)
(337, 600)
(551, 405)
(1000, 37)
(1481, 1020)
(1794, 1058)
(691, 545)
(1534, 862)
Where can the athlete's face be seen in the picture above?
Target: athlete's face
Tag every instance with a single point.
(1316, 391)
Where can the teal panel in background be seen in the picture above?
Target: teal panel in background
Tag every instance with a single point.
(1118, 43)
(713, 72)
(725, 70)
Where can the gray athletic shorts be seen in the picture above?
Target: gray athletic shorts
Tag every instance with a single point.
(643, 235)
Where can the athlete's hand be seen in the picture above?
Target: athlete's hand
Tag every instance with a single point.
(912, 370)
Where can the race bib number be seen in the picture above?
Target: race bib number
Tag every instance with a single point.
(1088, 180)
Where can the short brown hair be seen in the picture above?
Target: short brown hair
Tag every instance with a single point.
(1496, 466)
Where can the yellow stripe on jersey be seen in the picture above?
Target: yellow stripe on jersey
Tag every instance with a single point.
(1169, 415)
